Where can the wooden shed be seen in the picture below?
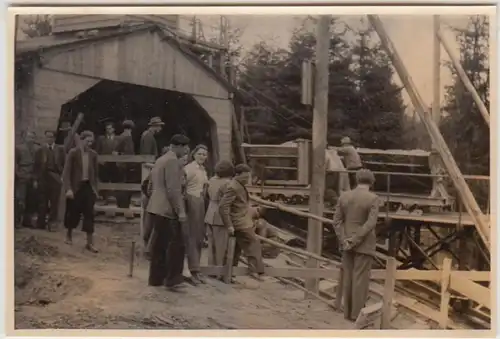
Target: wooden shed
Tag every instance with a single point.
(105, 73)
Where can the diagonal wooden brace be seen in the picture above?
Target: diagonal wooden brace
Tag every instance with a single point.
(480, 221)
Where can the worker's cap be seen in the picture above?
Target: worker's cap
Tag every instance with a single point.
(128, 124)
(86, 134)
(242, 168)
(156, 121)
(365, 177)
(179, 140)
(345, 141)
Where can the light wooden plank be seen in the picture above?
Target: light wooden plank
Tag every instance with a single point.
(470, 289)
(445, 294)
(390, 285)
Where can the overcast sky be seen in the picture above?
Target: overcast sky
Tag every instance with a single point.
(411, 34)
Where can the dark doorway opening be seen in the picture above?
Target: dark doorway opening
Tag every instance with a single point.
(115, 101)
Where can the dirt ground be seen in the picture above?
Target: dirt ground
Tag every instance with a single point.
(58, 286)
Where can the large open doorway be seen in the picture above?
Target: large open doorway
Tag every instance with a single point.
(114, 101)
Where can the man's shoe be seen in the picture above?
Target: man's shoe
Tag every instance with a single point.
(198, 278)
(91, 249)
(176, 287)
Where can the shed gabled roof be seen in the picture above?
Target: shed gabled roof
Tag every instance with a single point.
(34, 47)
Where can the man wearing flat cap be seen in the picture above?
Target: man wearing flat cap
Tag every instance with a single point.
(352, 160)
(354, 221)
(148, 141)
(127, 170)
(167, 212)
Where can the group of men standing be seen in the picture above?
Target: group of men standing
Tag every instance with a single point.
(166, 208)
(45, 170)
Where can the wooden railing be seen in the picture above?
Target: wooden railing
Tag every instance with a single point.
(462, 282)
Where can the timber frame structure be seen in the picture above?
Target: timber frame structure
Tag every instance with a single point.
(452, 284)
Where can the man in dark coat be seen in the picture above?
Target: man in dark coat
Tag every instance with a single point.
(148, 141)
(80, 185)
(355, 220)
(167, 212)
(107, 145)
(234, 209)
(25, 196)
(127, 171)
(48, 168)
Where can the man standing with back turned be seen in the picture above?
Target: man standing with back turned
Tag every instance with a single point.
(167, 212)
(355, 219)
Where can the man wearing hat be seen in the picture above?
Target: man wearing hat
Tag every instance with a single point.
(126, 147)
(352, 160)
(167, 212)
(148, 141)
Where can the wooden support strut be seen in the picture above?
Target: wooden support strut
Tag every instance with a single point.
(465, 79)
(319, 131)
(481, 223)
(72, 136)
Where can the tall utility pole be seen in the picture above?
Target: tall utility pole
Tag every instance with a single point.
(319, 129)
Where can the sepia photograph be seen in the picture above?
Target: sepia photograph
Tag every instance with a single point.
(317, 169)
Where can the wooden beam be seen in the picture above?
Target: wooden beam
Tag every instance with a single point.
(481, 223)
(465, 79)
(72, 136)
(140, 158)
(436, 73)
(290, 210)
(319, 130)
(445, 293)
(389, 286)
(472, 290)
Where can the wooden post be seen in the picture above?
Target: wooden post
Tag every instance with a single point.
(231, 244)
(339, 292)
(71, 137)
(481, 223)
(320, 120)
(145, 170)
(390, 284)
(132, 257)
(436, 83)
(445, 294)
(465, 79)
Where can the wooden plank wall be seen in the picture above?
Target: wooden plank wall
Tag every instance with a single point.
(221, 112)
(140, 58)
(42, 97)
(74, 23)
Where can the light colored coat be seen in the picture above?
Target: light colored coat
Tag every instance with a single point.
(352, 159)
(356, 217)
(166, 179)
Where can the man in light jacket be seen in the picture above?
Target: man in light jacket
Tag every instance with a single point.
(355, 220)
(352, 160)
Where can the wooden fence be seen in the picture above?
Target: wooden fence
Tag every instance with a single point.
(462, 282)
